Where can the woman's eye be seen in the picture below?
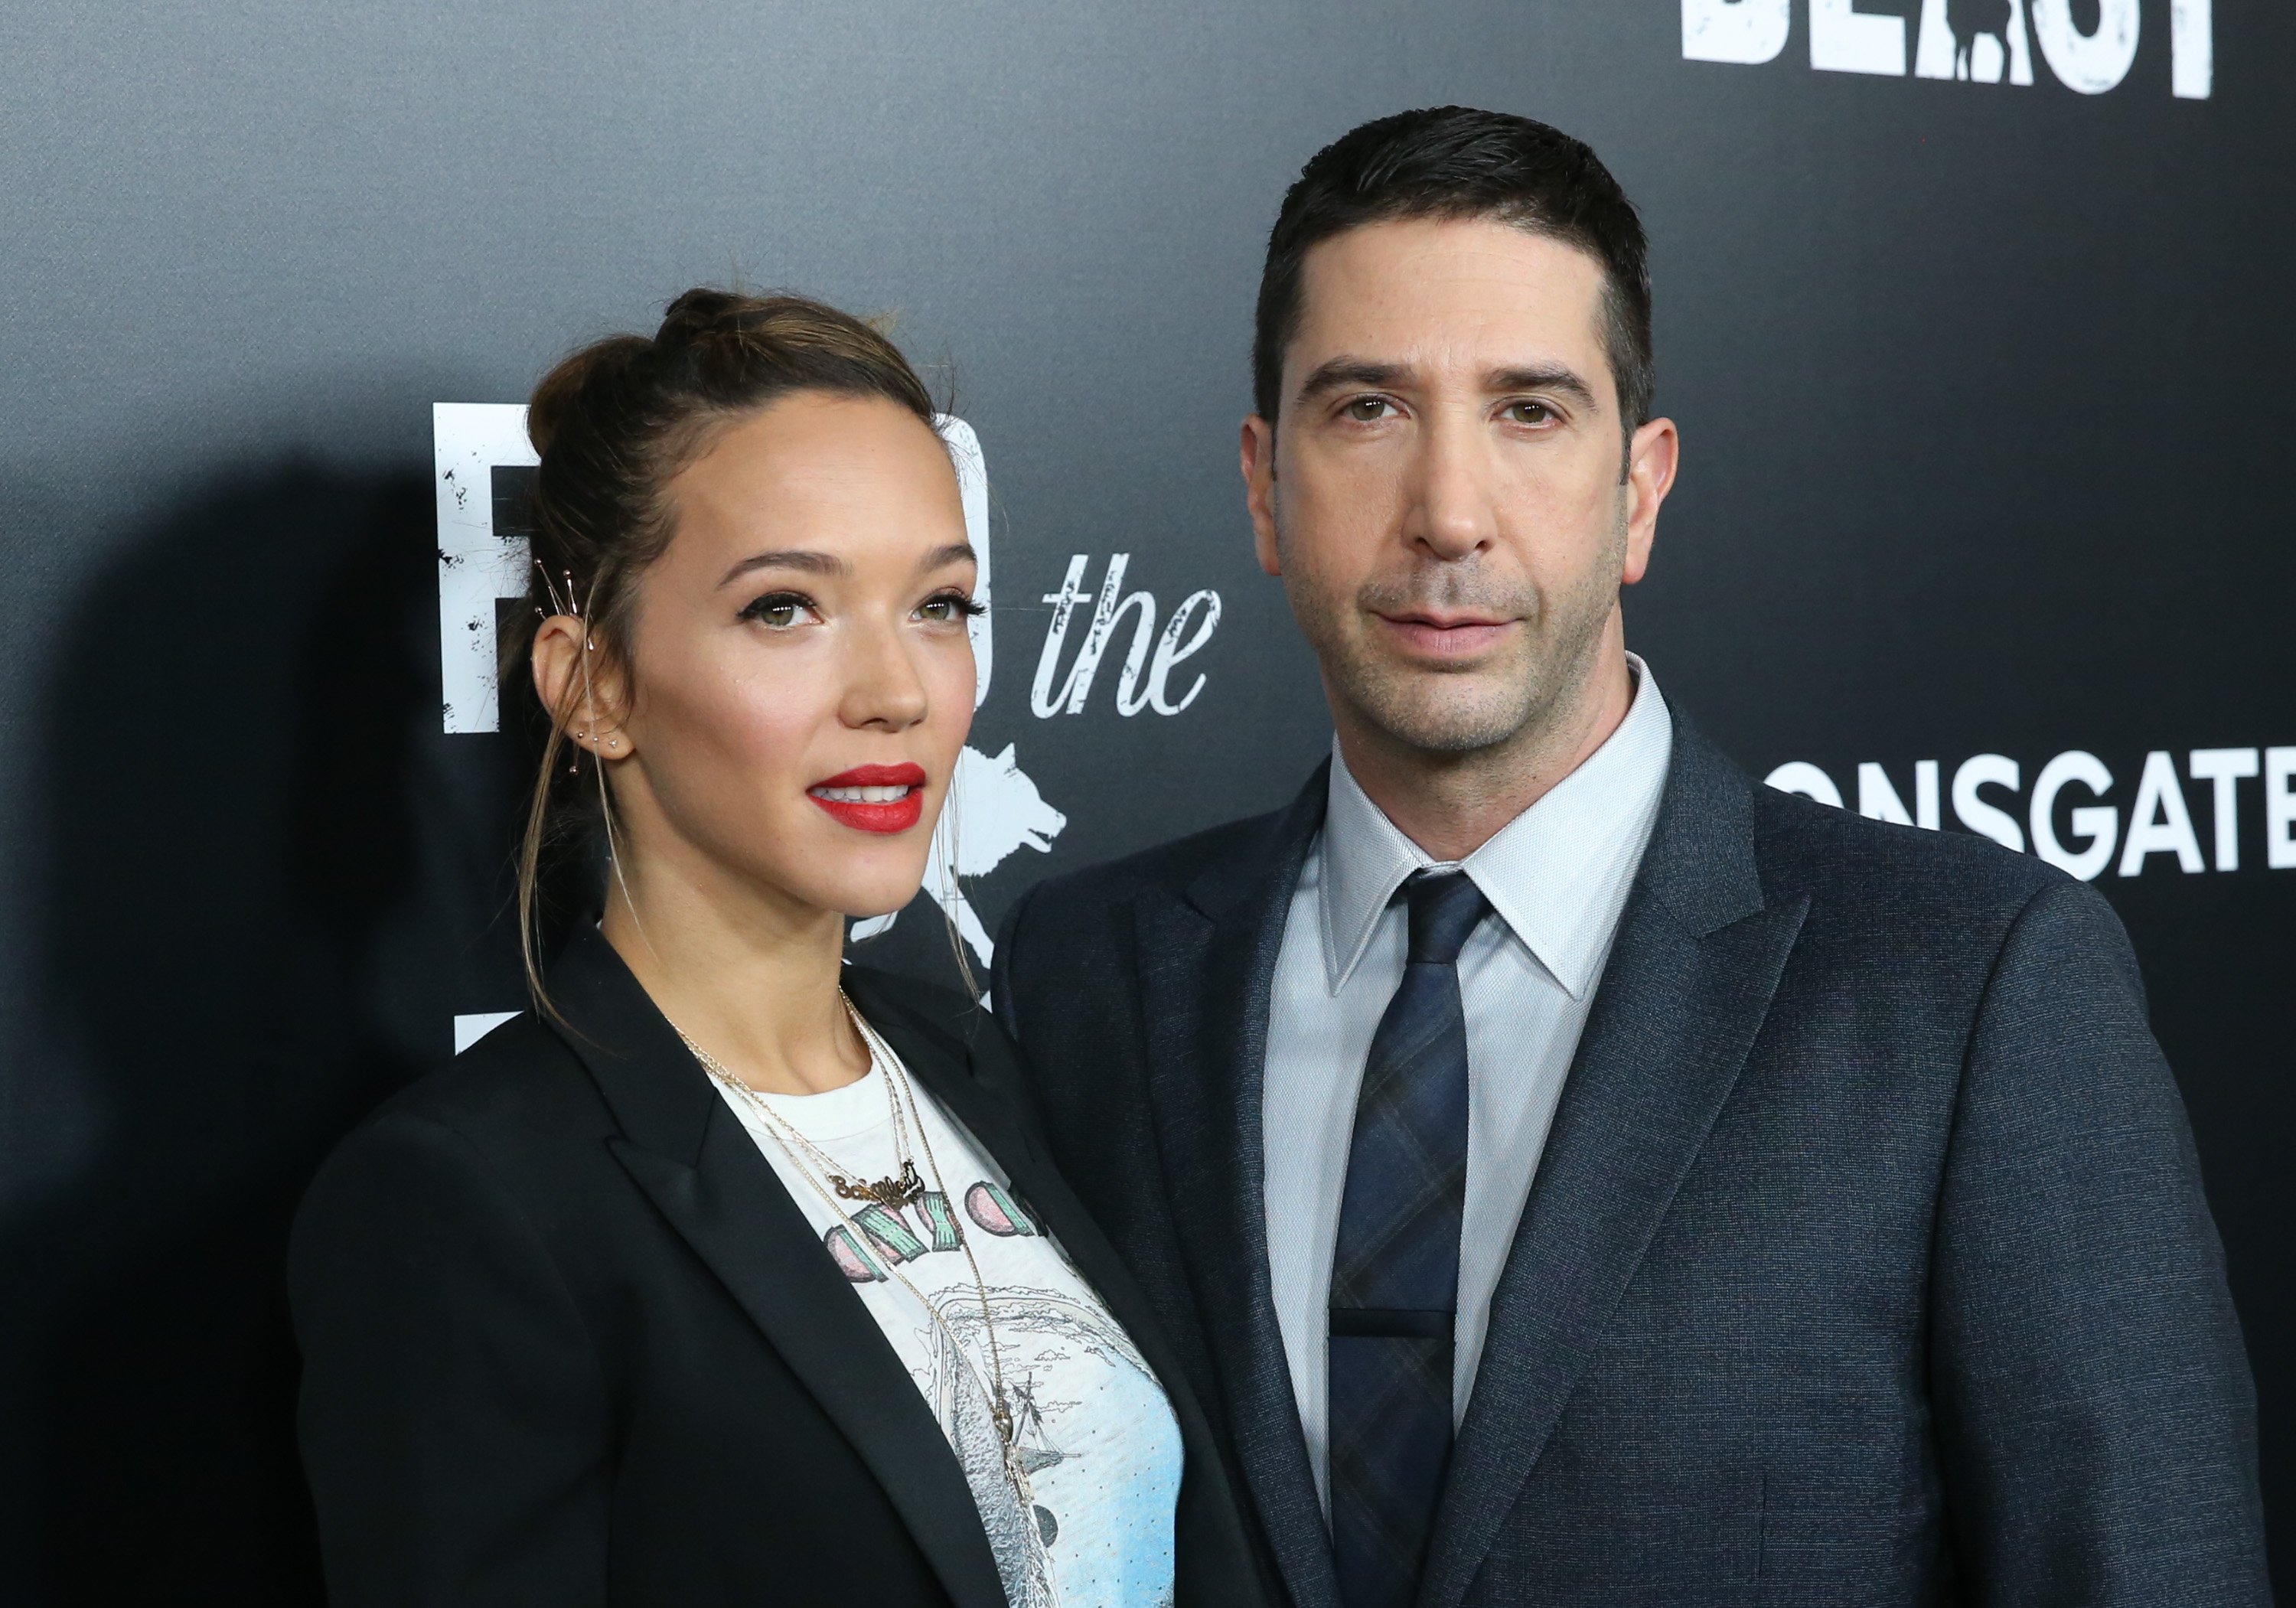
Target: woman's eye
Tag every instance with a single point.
(1367, 410)
(779, 611)
(1530, 412)
(947, 607)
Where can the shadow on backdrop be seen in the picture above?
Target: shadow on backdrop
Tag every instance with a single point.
(241, 956)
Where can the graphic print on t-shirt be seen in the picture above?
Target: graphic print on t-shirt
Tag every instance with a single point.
(1089, 1521)
(1100, 1484)
(877, 1234)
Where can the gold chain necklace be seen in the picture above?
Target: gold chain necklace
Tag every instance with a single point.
(891, 1194)
(904, 1187)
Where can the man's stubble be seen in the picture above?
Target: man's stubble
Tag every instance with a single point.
(1462, 712)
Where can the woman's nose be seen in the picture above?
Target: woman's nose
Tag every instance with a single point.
(883, 688)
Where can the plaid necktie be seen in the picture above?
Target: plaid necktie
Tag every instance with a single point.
(1394, 1277)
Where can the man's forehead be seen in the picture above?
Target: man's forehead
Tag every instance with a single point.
(1458, 282)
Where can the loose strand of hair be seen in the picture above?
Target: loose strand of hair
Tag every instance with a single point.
(953, 814)
(605, 795)
(530, 873)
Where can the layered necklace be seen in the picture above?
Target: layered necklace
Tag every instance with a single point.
(835, 1183)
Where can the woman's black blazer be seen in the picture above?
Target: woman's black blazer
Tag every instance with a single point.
(569, 1342)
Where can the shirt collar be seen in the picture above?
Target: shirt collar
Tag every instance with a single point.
(1557, 874)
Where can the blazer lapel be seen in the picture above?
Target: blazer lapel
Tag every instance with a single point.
(965, 1064)
(1207, 972)
(1689, 981)
(693, 1159)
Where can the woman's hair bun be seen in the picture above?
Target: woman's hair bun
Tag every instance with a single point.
(702, 314)
(564, 390)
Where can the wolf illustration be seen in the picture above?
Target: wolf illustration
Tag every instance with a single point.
(994, 809)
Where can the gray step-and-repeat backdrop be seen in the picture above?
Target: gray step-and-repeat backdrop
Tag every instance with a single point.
(1974, 314)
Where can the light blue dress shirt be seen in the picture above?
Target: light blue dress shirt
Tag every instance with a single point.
(1557, 877)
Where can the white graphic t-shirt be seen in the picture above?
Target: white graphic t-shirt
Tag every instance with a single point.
(1099, 1448)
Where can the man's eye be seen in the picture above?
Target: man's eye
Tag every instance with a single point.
(1367, 410)
(778, 610)
(1530, 412)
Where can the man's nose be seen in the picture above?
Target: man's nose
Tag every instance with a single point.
(1449, 512)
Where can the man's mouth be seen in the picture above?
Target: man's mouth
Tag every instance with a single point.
(873, 797)
(1437, 635)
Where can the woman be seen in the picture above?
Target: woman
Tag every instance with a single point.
(711, 1280)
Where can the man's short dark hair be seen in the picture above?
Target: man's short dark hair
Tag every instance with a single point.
(1457, 162)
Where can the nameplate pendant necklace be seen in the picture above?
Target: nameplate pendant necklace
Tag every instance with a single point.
(904, 1187)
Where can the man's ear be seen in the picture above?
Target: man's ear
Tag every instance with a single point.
(1652, 459)
(1260, 489)
(580, 687)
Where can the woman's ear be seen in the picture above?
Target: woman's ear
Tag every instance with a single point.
(580, 687)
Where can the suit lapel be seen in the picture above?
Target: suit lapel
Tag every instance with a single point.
(1689, 981)
(693, 1158)
(1208, 966)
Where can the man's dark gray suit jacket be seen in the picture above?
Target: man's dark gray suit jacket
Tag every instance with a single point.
(1866, 1263)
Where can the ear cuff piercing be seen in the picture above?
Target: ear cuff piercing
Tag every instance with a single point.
(566, 602)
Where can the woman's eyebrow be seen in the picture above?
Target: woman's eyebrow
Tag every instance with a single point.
(955, 553)
(787, 558)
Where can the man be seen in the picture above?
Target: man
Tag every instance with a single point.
(1575, 1174)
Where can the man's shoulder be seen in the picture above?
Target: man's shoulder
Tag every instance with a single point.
(1843, 859)
(1246, 846)
(1072, 939)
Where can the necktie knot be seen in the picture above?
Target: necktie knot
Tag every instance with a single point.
(1445, 906)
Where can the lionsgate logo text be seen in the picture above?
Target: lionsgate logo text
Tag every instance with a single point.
(1981, 41)
(2066, 818)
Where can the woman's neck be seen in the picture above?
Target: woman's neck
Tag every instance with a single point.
(753, 982)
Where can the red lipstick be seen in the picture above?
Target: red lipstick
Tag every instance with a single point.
(873, 797)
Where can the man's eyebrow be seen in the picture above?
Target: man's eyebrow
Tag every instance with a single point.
(787, 558)
(1552, 377)
(1341, 373)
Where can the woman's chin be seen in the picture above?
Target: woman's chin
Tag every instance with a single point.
(866, 903)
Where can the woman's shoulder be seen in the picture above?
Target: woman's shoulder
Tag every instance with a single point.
(472, 1190)
(497, 1156)
(520, 1073)
(503, 1106)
